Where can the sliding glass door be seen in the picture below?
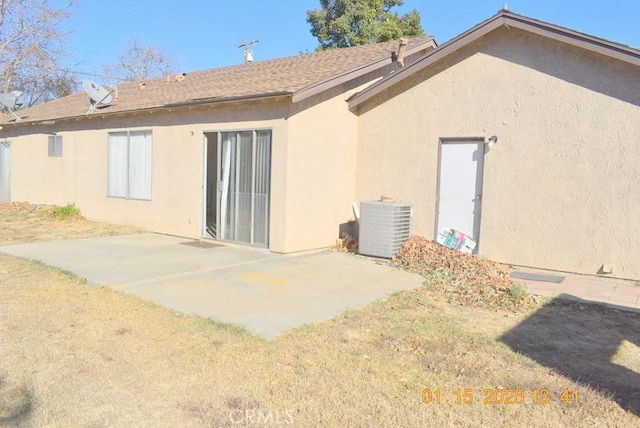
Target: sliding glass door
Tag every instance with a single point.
(244, 169)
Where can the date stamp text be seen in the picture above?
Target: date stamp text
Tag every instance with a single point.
(500, 396)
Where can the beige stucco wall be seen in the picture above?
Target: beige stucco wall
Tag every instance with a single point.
(312, 167)
(560, 187)
(322, 156)
(321, 174)
(176, 207)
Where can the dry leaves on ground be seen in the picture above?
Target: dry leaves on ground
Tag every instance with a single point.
(15, 206)
(465, 278)
(346, 244)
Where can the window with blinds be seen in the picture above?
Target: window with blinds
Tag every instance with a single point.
(130, 165)
(55, 146)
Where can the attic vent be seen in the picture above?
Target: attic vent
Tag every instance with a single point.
(180, 77)
(384, 227)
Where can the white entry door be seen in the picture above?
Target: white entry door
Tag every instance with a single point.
(460, 189)
(5, 175)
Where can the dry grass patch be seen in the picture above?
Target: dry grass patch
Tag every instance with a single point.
(94, 356)
(78, 355)
(22, 222)
(16, 402)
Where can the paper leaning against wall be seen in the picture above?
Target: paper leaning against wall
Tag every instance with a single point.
(456, 241)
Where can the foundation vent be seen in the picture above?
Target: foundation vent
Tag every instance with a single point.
(384, 227)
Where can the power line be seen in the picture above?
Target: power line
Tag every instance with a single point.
(198, 31)
(160, 16)
(89, 51)
(85, 73)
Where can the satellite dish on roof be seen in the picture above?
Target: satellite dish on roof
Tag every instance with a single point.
(97, 93)
(10, 100)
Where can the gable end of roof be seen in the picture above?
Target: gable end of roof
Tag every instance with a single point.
(502, 19)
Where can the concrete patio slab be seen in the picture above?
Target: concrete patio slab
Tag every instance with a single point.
(264, 292)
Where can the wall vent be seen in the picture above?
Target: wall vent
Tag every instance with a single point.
(384, 227)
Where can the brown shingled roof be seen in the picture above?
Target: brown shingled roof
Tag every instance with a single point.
(277, 77)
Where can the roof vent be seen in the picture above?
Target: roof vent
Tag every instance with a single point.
(180, 77)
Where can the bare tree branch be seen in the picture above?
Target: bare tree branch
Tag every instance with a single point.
(139, 62)
(31, 47)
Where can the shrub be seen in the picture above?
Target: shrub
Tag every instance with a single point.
(69, 210)
(517, 292)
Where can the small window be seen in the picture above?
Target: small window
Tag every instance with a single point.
(55, 146)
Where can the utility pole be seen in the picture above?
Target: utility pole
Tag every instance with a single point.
(248, 53)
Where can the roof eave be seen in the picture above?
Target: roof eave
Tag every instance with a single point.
(575, 38)
(190, 103)
(507, 19)
(217, 100)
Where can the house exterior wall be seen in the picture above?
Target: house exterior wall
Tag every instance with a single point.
(322, 157)
(313, 161)
(560, 186)
(312, 166)
(176, 206)
(321, 175)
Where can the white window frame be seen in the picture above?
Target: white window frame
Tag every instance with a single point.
(55, 146)
(135, 181)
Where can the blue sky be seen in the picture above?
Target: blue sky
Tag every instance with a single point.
(203, 34)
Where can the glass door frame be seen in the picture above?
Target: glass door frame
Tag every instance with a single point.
(260, 181)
